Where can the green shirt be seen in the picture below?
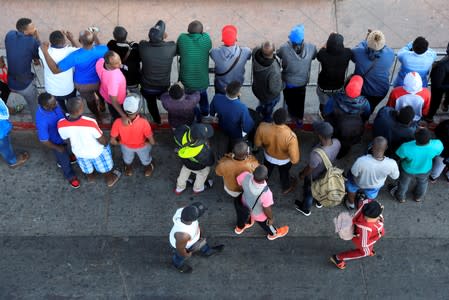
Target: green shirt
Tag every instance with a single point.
(417, 159)
(193, 50)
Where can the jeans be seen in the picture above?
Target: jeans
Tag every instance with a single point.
(405, 178)
(266, 109)
(6, 150)
(438, 167)
(178, 260)
(30, 96)
(62, 100)
(151, 95)
(307, 193)
(284, 173)
(63, 160)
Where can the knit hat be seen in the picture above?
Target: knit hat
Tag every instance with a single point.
(229, 35)
(376, 40)
(372, 209)
(324, 129)
(354, 87)
(406, 114)
(157, 32)
(193, 212)
(131, 105)
(201, 132)
(413, 83)
(297, 34)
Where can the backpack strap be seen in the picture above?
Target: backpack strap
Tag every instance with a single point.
(324, 158)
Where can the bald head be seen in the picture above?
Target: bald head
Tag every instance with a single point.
(380, 145)
(268, 49)
(195, 27)
(86, 38)
(112, 59)
(240, 150)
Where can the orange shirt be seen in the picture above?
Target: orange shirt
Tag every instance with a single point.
(134, 135)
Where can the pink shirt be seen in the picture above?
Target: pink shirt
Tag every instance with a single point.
(266, 199)
(112, 83)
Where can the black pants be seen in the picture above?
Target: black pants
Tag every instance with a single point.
(295, 98)
(113, 112)
(4, 91)
(374, 101)
(243, 215)
(151, 95)
(437, 96)
(284, 172)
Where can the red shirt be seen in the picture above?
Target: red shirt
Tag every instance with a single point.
(367, 233)
(134, 135)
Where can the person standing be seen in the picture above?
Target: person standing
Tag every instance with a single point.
(315, 168)
(296, 56)
(439, 77)
(441, 161)
(255, 204)
(373, 61)
(47, 116)
(267, 81)
(59, 85)
(112, 85)
(368, 229)
(22, 49)
(185, 237)
(193, 50)
(281, 148)
(334, 59)
(230, 60)
(369, 172)
(157, 59)
(416, 163)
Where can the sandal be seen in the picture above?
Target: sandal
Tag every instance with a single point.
(21, 159)
(117, 174)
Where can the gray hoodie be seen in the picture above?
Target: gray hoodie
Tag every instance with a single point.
(296, 67)
(267, 82)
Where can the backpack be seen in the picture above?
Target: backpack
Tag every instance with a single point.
(344, 226)
(329, 190)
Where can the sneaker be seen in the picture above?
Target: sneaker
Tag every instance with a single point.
(214, 250)
(318, 204)
(128, 170)
(373, 253)
(338, 263)
(178, 191)
(293, 183)
(280, 232)
(432, 180)
(349, 205)
(305, 212)
(241, 230)
(185, 269)
(75, 183)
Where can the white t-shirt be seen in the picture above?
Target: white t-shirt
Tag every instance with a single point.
(58, 84)
(83, 134)
(371, 173)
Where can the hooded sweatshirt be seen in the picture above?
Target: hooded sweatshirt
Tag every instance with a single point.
(334, 61)
(178, 226)
(296, 65)
(267, 82)
(348, 105)
(375, 77)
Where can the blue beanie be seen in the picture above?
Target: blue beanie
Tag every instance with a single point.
(297, 34)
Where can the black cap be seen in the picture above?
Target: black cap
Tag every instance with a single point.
(201, 132)
(156, 33)
(193, 212)
(372, 209)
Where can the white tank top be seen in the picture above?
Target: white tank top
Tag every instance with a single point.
(178, 226)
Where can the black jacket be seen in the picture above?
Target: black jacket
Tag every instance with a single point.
(132, 63)
(440, 74)
(205, 158)
(267, 81)
(157, 59)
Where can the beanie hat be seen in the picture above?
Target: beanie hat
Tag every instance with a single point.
(156, 33)
(406, 114)
(354, 87)
(193, 212)
(413, 83)
(229, 35)
(376, 40)
(297, 34)
(324, 129)
(372, 209)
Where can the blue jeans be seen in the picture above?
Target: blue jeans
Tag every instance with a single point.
(307, 193)
(63, 160)
(6, 150)
(178, 260)
(405, 178)
(62, 100)
(266, 109)
(204, 103)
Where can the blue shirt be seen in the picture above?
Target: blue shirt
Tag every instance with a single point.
(47, 125)
(5, 125)
(417, 159)
(21, 49)
(84, 63)
(233, 116)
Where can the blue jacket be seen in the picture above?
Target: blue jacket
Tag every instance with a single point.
(347, 105)
(376, 81)
(233, 116)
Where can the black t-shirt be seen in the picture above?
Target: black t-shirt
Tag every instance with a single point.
(333, 68)
(132, 63)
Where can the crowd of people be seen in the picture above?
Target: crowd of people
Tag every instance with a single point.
(116, 76)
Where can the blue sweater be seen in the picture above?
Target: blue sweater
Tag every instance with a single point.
(233, 116)
(376, 81)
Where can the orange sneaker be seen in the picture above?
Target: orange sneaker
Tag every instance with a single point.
(241, 230)
(338, 263)
(280, 232)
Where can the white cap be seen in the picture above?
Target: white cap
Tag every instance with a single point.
(131, 104)
(413, 83)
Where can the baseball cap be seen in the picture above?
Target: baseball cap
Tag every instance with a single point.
(354, 87)
(229, 35)
(324, 129)
(131, 105)
(193, 212)
(156, 33)
(201, 131)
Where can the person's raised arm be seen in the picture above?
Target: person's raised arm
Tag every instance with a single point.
(69, 36)
(50, 62)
